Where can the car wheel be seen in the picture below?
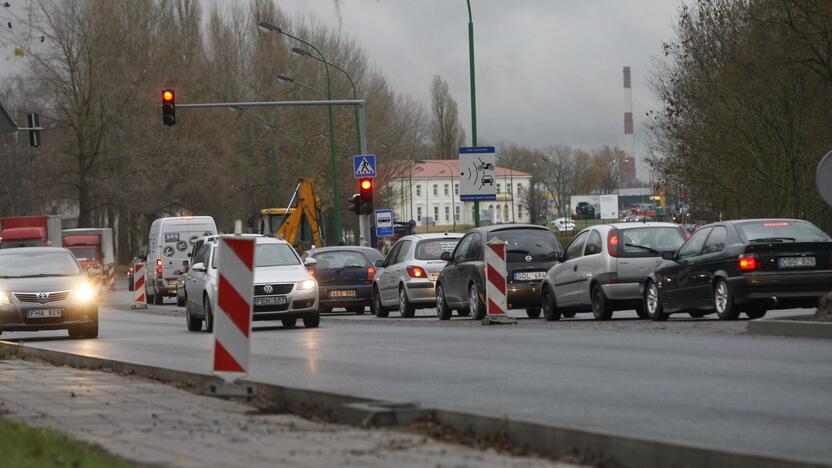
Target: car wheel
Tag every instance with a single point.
(312, 321)
(642, 314)
(149, 298)
(356, 310)
(755, 313)
(193, 323)
(653, 304)
(90, 331)
(568, 314)
(158, 299)
(533, 313)
(378, 307)
(724, 301)
(697, 314)
(475, 306)
(180, 301)
(209, 315)
(289, 323)
(601, 307)
(442, 310)
(550, 306)
(405, 307)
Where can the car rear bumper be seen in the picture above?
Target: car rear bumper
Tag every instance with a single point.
(781, 289)
(623, 291)
(523, 295)
(421, 291)
(363, 295)
(13, 317)
(165, 287)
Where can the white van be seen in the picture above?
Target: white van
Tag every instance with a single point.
(168, 245)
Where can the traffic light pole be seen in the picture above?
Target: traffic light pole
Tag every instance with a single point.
(363, 220)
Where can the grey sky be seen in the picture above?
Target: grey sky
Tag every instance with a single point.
(548, 71)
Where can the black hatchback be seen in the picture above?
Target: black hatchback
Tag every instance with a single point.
(530, 252)
(345, 276)
(749, 266)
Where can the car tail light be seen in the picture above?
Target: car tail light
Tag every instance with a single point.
(748, 262)
(159, 270)
(416, 272)
(613, 243)
(129, 271)
(371, 273)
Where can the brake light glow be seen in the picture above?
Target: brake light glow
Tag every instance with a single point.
(777, 224)
(748, 262)
(129, 270)
(158, 262)
(416, 272)
(612, 243)
(371, 273)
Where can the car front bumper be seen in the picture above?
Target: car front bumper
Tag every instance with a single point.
(299, 304)
(525, 295)
(790, 288)
(363, 295)
(13, 316)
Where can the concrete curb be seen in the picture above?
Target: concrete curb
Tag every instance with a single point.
(575, 444)
(797, 325)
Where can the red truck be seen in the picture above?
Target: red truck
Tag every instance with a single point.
(93, 247)
(30, 231)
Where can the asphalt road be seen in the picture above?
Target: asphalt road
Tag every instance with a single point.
(700, 381)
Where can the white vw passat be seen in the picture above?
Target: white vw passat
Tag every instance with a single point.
(283, 288)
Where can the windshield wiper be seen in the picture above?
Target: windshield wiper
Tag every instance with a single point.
(644, 247)
(773, 239)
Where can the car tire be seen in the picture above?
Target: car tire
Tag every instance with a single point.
(312, 321)
(356, 310)
(568, 315)
(533, 313)
(209, 315)
(550, 306)
(601, 307)
(158, 299)
(180, 301)
(193, 323)
(754, 313)
(642, 314)
(378, 308)
(289, 323)
(475, 306)
(442, 310)
(90, 331)
(653, 303)
(76, 332)
(406, 309)
(149, 298)
(724, 301)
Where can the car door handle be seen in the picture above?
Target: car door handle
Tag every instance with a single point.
(575, 268)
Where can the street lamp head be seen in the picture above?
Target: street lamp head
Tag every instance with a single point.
(419, 161)
(268, 27)
(300, 51)
(286, 78)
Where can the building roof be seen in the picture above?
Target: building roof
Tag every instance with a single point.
(439, 168)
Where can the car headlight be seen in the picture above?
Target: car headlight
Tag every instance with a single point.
(306, 285)
(4, 298)
(84, 293)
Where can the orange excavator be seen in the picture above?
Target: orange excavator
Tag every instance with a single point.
(298, 224)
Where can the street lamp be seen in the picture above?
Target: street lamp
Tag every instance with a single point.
(453, 193)
(303, 85)
(339, 231)
(473, 96)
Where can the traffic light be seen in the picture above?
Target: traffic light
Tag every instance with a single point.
(168, 107)
(365, 187)
(355, 204)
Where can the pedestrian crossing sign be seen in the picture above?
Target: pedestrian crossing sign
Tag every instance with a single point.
(364, 166)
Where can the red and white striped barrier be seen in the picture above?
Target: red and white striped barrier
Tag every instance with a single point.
(139, 300)
(111, 279)
(496, 283)
(232, 319)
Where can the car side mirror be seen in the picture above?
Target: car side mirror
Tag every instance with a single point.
(310, 262)
(379, 263)
(669, 255)
(445, 256)
(199, 267)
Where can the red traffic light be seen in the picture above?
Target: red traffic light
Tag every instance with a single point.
(167, 95)
(366, 184)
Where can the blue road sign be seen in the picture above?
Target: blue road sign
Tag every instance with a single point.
(364, 165)
(477, 173)
(384, 223)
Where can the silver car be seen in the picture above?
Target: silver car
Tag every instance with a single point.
(406, 278)
(605, 267)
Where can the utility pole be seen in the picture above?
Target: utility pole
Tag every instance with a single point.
(473, 97)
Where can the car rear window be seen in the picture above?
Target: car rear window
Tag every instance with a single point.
(340, 259)
(23, 264)
(541, 244)
(431, 249)
(776, 230)
(651, 240)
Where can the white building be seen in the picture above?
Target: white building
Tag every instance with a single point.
(428, 193)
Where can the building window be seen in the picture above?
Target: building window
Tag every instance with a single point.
(418, 190)
(447, 212)
(498, 187)
(435, 214)
(519, 187)
(456, 189)
(446, 190)
(418, 213)
(456, 213)
(520, 211)
(508, 188)
(435, 189)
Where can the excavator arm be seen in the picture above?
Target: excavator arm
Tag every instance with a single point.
(307, 206)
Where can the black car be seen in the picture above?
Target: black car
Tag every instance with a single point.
(584, 210)
(531, 250)
(748, 266)
(345, 276)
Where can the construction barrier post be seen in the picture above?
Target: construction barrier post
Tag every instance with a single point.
(496, 287)
(111, 279)
(139, 300)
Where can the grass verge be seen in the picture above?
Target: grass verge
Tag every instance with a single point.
(24, 446)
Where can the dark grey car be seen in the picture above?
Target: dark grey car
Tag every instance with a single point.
(44, 288)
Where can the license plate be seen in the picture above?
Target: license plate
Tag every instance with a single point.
(343, 293)
(529, 275)
(795, 262)
(43, 313)
(267, 301)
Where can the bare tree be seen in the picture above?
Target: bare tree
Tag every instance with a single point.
(446, 133)
(560, 176)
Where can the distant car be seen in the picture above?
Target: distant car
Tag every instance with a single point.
(44, 288)
(749, 266)
(283, 287)
(530, 252)
(406, 279)
(638, 219)
(487, 179)
(345, 276)
(605, 267)
(585, 210)
(563, 224)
